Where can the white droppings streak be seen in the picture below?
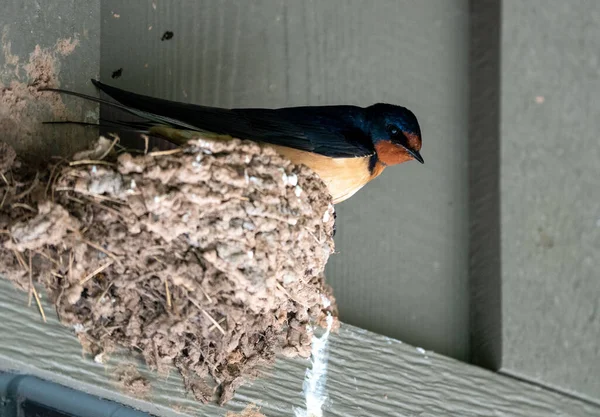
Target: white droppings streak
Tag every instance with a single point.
(298, 191)
(325, 301)
(326, 217)
(315, 378)
(94, 169)
(250, 254)
(132, 185)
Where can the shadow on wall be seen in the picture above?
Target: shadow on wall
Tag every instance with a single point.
(484, 184)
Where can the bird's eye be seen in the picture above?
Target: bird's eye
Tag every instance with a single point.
(394, 131)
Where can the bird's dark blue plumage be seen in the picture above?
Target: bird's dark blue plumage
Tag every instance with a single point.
(392, 114)
(333, 131)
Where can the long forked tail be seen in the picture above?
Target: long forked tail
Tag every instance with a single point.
(150, 118)
(129, 126)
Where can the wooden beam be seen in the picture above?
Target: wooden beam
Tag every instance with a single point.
(368, 375)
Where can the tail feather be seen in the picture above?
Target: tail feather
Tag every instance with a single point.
(101, 123)
(164, 125)
(152, 118)
(133, 127)
(70, 122)
(185, 116)
(123, 128)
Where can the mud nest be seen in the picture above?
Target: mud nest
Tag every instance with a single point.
(208, 258)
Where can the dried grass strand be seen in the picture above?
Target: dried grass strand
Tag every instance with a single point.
(20, 259)
(208, 316)
(101, 249)
(39, 304)
(52, 178)
(104, 292)
(4, 198)
(30, 292)
(206, 295)
(4, 179)
(110, 148)
(95, 272)
(146, 143)
(167, 152)
(70, 271)
(168, 294)
(24, 206)
(212, 327)
(34, 184)
(91, 162)
(48, 257)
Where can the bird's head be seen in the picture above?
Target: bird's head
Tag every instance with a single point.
(395, 133)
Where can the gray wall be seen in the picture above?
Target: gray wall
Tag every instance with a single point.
(401, 267)
(550, 188)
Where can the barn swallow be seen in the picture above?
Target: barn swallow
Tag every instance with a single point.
(347, 146)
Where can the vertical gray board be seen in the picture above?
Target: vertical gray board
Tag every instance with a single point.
(484, 184)
(402, 241)
(550, 188)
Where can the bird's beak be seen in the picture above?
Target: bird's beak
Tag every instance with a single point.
(416, 155)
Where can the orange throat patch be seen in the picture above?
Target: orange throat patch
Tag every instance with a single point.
(391, 154)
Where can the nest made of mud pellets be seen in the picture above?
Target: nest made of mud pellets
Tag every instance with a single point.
(208, 258)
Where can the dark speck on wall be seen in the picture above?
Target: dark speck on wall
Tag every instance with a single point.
(167, 35)
(117, 73)
(545, 240)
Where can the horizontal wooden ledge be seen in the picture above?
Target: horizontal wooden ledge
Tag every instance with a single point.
(368, 375)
